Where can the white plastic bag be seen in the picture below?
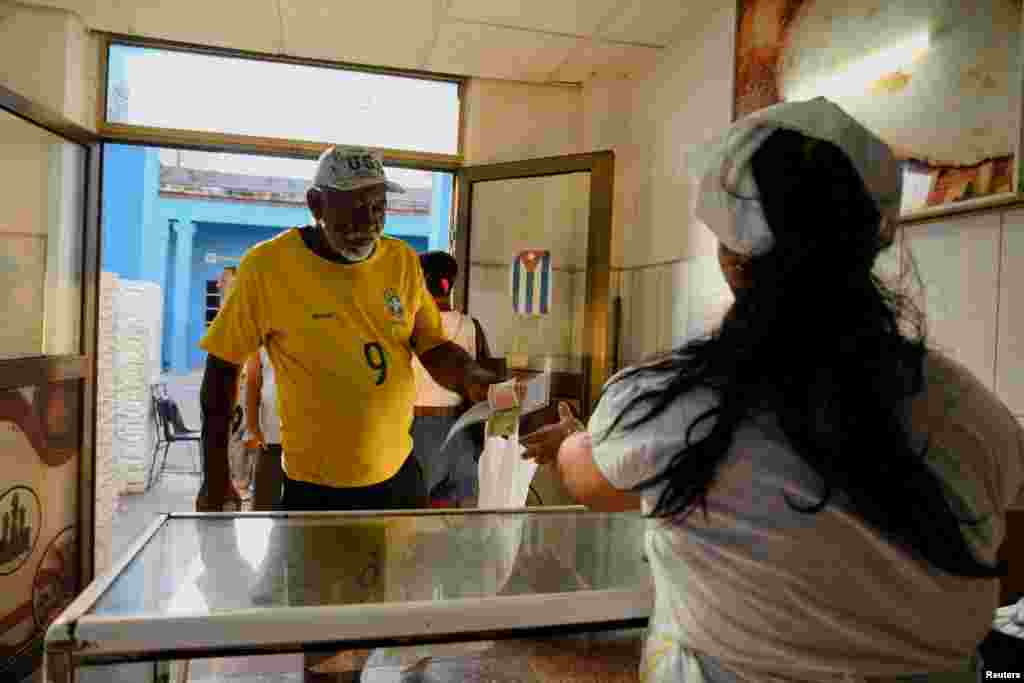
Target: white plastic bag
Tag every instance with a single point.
(504, 475)
(504, 483)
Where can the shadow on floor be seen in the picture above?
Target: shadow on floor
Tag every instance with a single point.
(174, 492)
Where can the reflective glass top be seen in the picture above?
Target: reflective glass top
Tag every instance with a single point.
(200, 565)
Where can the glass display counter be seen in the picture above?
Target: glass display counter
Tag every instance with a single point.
(525, 595)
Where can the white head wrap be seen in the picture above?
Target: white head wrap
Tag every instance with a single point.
(722, 169)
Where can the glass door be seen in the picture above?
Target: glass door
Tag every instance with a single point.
(48, 283)
(533, 243)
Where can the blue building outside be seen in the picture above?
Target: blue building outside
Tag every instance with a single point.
(180, 228)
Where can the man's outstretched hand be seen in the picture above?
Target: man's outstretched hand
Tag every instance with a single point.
(477, 391)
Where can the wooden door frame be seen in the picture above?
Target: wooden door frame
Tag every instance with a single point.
(42, 369)
(601, 166)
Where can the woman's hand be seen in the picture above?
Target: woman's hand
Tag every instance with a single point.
(542, 445)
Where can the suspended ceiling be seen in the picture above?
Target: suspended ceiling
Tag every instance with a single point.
(525, 40)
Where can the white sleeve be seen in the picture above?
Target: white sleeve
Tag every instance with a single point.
(628, 457)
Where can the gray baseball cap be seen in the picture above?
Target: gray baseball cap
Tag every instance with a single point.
(352, 168)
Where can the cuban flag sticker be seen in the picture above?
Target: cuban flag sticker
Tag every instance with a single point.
(531, 282)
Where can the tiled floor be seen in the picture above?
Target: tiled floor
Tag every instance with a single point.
(173, 493)
(176, 490)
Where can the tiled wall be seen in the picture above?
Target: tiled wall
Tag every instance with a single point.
(969, 267)
(665, 305)
(108, 481)
(1009, 352)
(137, 348)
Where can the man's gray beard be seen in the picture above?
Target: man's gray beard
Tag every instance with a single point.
(357, 255)
(349, 254)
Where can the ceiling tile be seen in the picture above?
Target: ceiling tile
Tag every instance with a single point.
(607, 60)
(82, 7)
(576, 17)
(241, 24)
(650, 22)
(373, 33)
(492, 52)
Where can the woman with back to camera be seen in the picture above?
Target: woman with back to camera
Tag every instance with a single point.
(827, 494)
(451, 475)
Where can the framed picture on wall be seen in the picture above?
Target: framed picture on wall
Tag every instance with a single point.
(939, 82)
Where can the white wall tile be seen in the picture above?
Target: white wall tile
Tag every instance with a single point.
(646, 314)
(631, 338)
(1010, 349)
(625, 292)
(615, 323)
(957, 260)
(679, 289)
(665, 304)
(656, 306)
(139, 316)
(579, 342)
(709, 297)
(108, 483)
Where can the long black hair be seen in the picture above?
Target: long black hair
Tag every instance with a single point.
(828, 348)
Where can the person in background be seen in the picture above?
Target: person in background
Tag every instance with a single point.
(827, 493)
(341, 310)
(264, 430)
(240, 456)
(451, 475)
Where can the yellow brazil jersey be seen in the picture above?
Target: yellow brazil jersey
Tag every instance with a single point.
(341, 338)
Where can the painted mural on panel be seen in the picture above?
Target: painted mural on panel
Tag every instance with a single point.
(40, 438)
(938, 81)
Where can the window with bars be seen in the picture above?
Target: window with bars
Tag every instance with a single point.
(212, 301)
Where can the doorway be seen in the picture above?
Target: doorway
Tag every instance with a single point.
(534, 249)
(48, 254)
(176, 224)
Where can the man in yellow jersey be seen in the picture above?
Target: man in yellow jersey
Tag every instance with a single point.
(341, 310)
